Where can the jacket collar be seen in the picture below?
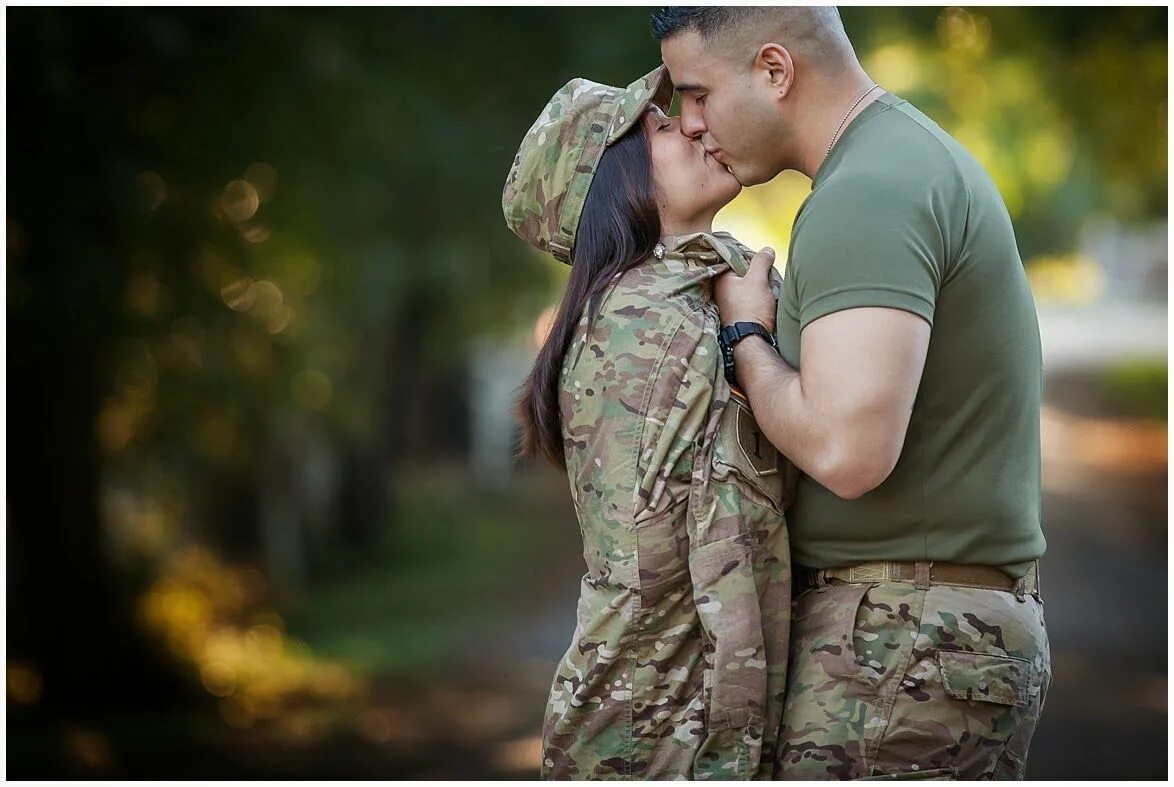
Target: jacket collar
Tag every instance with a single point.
(705, 248)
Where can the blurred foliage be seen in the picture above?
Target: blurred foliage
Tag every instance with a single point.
(248, 251)
(1138, 388)
(1065, 277)
(210, 617)
(437, 581)
(1065, 108)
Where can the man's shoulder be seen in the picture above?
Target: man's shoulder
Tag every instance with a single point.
(915, 146)
(894, 165)
(901, 147)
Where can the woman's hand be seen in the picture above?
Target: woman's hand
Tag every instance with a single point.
(748, 298)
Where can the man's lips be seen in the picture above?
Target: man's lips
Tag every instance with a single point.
(716, 155)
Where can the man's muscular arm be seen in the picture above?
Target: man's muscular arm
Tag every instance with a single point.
(843, 420)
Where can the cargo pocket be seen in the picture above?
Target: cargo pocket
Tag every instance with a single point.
(825, 625)
(985, 677)
(744, 455)
(997, 692)
(734, 677)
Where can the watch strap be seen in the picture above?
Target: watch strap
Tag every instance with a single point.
(730, 335)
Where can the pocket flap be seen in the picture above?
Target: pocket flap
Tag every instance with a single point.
(985, 677)
(941, 774)
(726, 719)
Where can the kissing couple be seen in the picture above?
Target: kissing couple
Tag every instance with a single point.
(810, 503)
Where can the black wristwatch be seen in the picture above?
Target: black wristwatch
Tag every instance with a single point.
(730, 335)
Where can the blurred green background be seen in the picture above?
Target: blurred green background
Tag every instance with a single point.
(264, 324)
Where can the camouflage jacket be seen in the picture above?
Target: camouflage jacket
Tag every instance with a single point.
(678, 660)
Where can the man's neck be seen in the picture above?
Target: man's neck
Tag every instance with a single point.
(833, 103)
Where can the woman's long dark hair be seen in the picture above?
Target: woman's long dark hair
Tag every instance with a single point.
(618, 228)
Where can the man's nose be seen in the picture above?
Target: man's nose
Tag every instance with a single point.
(692, 125)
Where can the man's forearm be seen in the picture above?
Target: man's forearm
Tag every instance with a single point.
(780, 407)
(849, 450)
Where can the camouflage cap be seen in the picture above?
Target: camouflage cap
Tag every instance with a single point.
(552, 171)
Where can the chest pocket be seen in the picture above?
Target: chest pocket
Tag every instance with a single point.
(752, 463)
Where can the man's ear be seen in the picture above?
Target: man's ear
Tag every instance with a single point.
(775, 62)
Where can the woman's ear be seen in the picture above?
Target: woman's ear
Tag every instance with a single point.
(775, 62)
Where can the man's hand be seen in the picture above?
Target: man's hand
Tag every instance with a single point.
(748, 298)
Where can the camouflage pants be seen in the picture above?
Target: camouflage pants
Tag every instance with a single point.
(891, 681)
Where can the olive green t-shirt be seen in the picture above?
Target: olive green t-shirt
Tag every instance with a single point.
(900, 215)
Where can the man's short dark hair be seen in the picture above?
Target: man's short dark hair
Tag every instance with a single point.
(815, 31)
(706, 20)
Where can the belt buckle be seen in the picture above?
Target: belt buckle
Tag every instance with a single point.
(869, 572)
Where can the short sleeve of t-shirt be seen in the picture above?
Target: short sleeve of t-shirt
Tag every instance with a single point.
(855, 246)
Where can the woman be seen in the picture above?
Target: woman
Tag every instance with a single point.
(678, 660)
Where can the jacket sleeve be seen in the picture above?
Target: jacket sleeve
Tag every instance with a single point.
(722, 571)
(687, 427)
(676, 412)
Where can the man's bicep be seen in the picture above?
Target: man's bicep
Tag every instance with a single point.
(865, 362)
(884, 254)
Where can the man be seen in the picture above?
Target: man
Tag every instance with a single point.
(907, 391)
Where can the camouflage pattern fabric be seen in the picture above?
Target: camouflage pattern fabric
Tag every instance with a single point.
(556, 162)
(678, 662)
(891, 682)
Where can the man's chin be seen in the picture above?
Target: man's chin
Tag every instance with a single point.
(746, 178)
(735, 176)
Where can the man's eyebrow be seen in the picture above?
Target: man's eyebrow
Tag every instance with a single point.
(686, 88)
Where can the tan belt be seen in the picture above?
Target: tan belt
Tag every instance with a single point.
(923, 574)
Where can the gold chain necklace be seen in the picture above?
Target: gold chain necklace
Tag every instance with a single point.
(849, 112)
